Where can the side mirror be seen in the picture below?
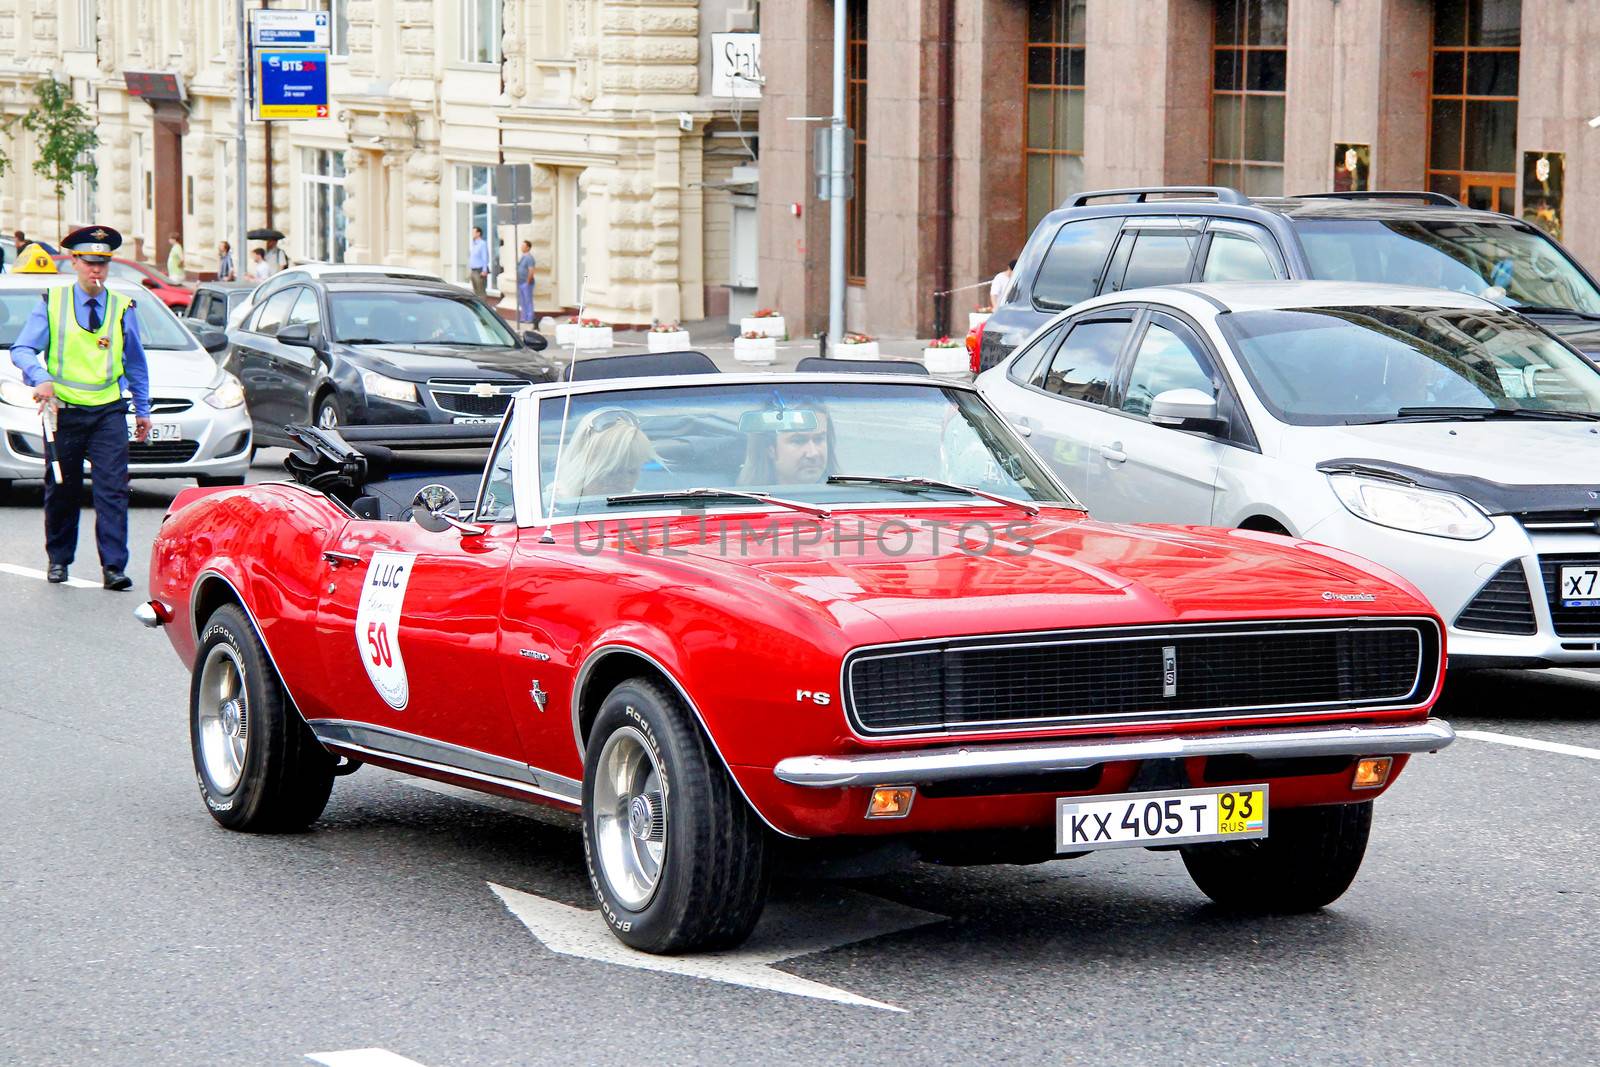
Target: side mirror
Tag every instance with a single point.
(213, 341)
(435, 508)
(298, 334)
(1187, 409)
(534, 340)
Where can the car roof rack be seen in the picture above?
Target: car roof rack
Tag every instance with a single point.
(825, 365)
(1141, 194)
(639, 365)
(1426, 196)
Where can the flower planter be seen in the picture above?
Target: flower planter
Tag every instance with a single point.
(593, 337)
(676, 341)
(977, 318)
(770, 326)
(945, 360)
(566, 333)
(864, 350)
(755, 349)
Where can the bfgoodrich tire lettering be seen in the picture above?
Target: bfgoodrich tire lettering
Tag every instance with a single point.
(1306, 862)
(258, 766)
(710, 884)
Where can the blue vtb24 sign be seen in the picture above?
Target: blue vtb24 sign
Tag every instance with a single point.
(291, 85)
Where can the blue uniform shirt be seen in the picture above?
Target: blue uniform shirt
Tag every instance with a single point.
(35, 338)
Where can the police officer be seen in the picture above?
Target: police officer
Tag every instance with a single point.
(78, 349)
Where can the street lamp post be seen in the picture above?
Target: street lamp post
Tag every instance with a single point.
(836, 185)
(241, 173)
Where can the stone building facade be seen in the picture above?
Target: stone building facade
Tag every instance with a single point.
(607, 99)
(1485, 100)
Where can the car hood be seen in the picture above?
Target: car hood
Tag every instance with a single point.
(170, 369)
(1513, 453)
(419, 363)
(1055, 571)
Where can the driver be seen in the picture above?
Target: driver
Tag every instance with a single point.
(604, 456)
(799, 457)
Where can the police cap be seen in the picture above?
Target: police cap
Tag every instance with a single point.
(93, 244)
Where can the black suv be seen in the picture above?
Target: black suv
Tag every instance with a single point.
(1167, 235)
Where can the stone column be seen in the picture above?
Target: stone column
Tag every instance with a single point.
(1560, 69)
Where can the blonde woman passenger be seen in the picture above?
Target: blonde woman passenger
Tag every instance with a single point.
(604, 456)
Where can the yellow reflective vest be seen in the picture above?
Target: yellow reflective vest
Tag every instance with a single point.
(85, 364)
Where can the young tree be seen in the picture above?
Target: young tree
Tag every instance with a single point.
(63, 135)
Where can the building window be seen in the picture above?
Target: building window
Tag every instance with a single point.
(83, 193)
(474, 206)
(1249, 65)
(1054, 149)
(322, 185)
(480, 31)
(855, 112)
(1472, 141)
(88, 29)
(339, 27)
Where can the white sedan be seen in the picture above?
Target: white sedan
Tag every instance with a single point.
(200, 428)
(1449, 439)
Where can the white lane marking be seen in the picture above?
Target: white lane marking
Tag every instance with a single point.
(361, 1057)
(786, 931)
(29, 572)
(1570, 672)
(1528, 742)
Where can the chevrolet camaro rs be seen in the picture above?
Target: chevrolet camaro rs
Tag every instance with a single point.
(720, 616)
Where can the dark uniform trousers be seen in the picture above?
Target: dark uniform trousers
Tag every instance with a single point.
(99, 434)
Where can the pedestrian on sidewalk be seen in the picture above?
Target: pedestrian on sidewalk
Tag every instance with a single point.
(175, 264)
(259, 271)
(225, 262)
(525, 283)
(478, 262)
(276, 258)
(1001, 285)
(77, 350)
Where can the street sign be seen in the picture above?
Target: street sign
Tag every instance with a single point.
(513, 214)
(291, 85)
(513, 183)
(289, 29)
(736, 65)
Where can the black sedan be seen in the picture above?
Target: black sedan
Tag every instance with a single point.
(379, 351)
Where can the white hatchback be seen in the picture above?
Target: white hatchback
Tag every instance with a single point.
(1436, 433)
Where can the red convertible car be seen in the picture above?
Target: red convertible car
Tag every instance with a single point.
(710, 613)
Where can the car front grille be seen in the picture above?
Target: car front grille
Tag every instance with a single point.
(1503, 606)
(1576, 521)
(468, 397)
(992, 350)
(169, 405)
(1569, 622)
(161, 451)
(1089, 677)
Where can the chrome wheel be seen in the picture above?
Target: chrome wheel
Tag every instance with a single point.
(224, 715)
(328, 416)
(630, 818)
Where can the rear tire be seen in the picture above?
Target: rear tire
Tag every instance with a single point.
(259, 767)
(676, 857)
(1307, 861)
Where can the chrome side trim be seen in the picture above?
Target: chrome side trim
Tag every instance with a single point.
(951, 764)
(582, 678)
(440, 755)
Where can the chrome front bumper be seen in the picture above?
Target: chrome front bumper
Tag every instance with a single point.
(921, 766)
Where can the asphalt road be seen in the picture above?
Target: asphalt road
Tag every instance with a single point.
(133, 930)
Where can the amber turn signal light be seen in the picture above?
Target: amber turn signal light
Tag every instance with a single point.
(891, 802)
(1372, 772)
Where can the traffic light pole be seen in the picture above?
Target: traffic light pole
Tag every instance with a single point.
(836, 186)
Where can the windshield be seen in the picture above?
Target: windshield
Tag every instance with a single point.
(786, 439)
(398, 317)
(158, 327)
(1328, 366)
(1498, 261)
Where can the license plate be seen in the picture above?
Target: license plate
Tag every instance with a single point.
(1580, 587)
(475, 420)
(1181, 817)
(159, 431)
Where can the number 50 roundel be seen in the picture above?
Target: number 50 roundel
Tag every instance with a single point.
(383, 593)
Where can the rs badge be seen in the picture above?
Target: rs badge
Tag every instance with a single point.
(383, 594)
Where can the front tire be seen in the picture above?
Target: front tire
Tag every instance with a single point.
(259, 767)
(330, 413)
(676, 857)
(1307, 861)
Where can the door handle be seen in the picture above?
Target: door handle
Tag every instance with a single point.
(1113, 453)
(336, 558)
